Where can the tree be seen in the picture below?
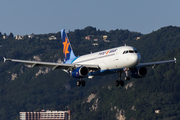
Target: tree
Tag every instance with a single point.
(1, 35)
(90, 29)
(11, 35)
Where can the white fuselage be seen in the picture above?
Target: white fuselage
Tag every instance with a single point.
(111, 59)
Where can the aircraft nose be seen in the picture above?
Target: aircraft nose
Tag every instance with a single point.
(135, 58)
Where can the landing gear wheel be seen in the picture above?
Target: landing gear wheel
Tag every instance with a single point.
(127, 78)
(117, 83)
(121, 83)
(83, 83)
(78, 83)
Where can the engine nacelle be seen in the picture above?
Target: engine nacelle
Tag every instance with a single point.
(139, 72)
(80, 72)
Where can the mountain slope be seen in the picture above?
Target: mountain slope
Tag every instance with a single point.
(56, 90)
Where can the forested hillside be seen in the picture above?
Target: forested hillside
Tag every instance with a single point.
(34, 89)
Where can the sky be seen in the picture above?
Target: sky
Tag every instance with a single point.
(22, 17)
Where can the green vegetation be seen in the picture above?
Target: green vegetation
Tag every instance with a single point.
(56, 90)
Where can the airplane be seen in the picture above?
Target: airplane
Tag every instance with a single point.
(120, 60)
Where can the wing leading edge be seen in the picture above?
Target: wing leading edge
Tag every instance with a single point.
(52, 65)
(154, 64)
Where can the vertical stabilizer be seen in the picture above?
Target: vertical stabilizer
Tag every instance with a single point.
(67, 49)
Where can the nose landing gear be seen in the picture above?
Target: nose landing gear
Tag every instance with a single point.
(121, 82)
(127, 77)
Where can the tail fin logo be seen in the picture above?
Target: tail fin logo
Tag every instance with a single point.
(66, 46)
(67, 49)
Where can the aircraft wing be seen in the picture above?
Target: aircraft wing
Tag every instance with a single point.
(52, 65)
(154, 64)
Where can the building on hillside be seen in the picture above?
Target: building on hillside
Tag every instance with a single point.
(95, 44)
(157, 111)
(45, 115)
(95, 40)
(105, 37)
(18, 37)
(106, 41)
(137, 38)
(29, 115)
(31, 35)
(52, 38)
(88, 37)
(5, 37)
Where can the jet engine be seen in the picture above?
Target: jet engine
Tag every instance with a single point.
(138, 72)
(80, 72)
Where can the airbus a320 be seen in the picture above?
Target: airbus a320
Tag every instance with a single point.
(119, 60)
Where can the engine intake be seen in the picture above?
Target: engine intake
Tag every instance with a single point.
(139, 72)
(80, 72)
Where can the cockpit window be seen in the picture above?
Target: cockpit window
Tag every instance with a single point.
(130, 51)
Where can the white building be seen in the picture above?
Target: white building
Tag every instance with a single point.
(18, 37)
(95, 44)
(45, 115)
(29, 115)
(95, 40)
(106, 41)
(157, 111)
(52, 38)
(5, 36)
(105, 37)
(137, 38)
(31, 35)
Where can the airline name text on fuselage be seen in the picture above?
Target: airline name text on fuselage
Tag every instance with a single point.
(107, 52)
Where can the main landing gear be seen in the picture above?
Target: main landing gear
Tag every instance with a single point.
(121, 82)
(81, 82)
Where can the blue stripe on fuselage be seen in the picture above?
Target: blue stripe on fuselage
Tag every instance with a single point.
(74, 59)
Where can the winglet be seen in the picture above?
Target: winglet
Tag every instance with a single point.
(4, 59)
(175, 59)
